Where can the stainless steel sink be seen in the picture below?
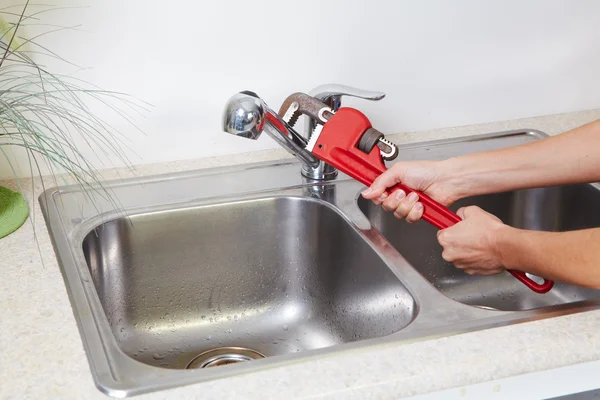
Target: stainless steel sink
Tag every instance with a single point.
(252, 267)
(276, 275)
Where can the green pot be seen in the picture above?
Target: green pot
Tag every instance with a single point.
(13, 211)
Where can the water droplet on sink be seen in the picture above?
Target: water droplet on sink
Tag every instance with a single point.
(208, 337)
(158, 356)
(229, 330)
(285, 327)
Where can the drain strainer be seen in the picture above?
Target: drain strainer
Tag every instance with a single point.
(223, 356)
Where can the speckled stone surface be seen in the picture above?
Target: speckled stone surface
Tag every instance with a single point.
(42, 354)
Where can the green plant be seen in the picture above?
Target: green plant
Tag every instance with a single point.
(43, 113)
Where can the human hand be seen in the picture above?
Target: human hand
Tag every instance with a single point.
(424, 176)
(472, 244)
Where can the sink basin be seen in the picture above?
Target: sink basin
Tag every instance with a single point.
(546, 209)
(250, 274)
(194, 276)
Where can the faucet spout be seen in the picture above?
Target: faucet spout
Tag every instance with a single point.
(306, 157)
(247, 115)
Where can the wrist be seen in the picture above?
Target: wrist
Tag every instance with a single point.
(506, 244)
(453, 177)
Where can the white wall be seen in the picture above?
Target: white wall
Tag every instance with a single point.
(441, 63)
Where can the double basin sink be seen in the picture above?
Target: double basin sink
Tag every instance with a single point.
(206, 274)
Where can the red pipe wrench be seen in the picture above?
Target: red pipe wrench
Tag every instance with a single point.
(347, 141)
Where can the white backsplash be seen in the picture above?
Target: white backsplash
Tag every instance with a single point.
(441, 63)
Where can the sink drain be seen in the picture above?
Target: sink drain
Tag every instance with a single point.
(223, 356)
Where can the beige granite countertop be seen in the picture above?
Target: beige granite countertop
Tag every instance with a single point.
(42, 354)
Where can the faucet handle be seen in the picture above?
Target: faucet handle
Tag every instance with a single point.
(332, 93)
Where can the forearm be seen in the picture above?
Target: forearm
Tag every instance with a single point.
(571, 157)
(571, 257)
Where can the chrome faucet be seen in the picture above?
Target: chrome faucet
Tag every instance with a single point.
(247, 115)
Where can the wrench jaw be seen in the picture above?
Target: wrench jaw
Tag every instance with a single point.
(388, 150)
(314, 138)
(371, 138)
(298, 104)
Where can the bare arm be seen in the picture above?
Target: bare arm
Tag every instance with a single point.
(570, 257)
(571, 157)
(482, 244)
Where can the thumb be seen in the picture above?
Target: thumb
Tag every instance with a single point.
(387, 179)
(469, 211)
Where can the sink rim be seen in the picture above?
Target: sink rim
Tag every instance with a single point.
(119, 375)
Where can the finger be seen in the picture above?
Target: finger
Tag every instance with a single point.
(415, 213)
(442, 237)
(371, 194)
(489, 272)
(469, 211)
(448, 256)
(406, 205)
(393, 201)
(380, 199)
(381, 183)
(464, 212)
(479, 271)
(473, 270)
(460, 264)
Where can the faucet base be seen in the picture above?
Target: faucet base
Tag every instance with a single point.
(323, 172)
